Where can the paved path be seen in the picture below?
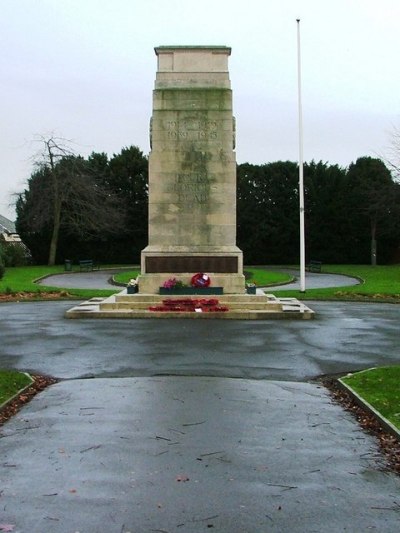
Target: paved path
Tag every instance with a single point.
(188, 454)
(97, 279)
(101, 280)
(314, 280)
(163, 438)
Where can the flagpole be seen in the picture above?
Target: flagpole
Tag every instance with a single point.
(301, 174)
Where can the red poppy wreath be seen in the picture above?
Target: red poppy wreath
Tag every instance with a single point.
(200, 280)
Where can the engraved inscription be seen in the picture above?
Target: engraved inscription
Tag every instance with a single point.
(175, 135)
(190, 124)
(191, 129)
(205, 135)
(192, 188)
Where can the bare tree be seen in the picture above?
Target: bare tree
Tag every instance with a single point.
(64, 192)
(393, 159)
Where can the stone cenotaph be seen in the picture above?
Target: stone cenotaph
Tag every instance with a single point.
(192, 172)
(192, 200)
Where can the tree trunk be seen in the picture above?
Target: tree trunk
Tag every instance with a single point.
(56, 210)
(56, 231)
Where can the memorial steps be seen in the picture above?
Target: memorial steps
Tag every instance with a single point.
(260, 306)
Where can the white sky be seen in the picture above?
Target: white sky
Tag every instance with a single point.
(85, 70)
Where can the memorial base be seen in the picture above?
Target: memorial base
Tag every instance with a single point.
(224, 266)
(260, 306)
(231, 283)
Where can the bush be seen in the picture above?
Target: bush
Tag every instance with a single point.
(15, 254)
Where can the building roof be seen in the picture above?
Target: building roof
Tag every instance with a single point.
(6, 225)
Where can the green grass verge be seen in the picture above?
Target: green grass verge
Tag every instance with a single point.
(10, 383)
(262, 277)
(380, 388)
(22, 280)
(380, 283)
(124, 277)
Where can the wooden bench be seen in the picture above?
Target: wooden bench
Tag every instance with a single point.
(314, 266)
(87, 264)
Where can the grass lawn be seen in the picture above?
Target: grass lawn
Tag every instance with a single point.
(22, 279)
(380, 387)
(262, 277)
(124, 277)
(11, 382)
(380, 283)
(18, 279)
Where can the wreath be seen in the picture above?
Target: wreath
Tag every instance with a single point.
(200, 280)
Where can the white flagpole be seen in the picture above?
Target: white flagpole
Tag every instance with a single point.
(301, 178)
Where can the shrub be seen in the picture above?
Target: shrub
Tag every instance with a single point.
(15, 254)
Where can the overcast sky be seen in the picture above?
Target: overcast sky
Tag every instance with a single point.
(85, 70)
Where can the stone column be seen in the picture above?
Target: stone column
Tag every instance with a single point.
(192, 172)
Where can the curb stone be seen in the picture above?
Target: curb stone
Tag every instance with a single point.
(7, 402)
(389, 427)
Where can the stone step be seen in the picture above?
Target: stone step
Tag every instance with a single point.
(239, 314)
(230, 305)
(222, 299)
(125, 302)
(240, 307)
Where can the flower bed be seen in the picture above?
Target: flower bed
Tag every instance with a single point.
(190, 305)
(199, 284)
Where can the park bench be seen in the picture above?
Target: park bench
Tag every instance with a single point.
(314, 266)
(87, 264)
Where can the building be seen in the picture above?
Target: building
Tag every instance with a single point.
(8, 232)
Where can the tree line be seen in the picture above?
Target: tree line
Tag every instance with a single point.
(75, 208)
(352, 215)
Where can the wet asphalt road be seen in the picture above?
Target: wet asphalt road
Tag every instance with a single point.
(163, 439)
(343, 337)
(173, 454)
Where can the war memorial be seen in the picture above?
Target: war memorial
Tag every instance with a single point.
(192, 266)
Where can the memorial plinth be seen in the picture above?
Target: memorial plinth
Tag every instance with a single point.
(192, 172)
